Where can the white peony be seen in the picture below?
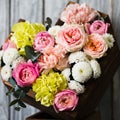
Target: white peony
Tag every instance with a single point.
(74, 85)
(96, 68)
(6, 72)
(66, 73)
(54, 30)
(10, 55)
(82, 72)
(76, 57)
(109, 39)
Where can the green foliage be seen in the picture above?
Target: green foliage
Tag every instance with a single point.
(48, 23)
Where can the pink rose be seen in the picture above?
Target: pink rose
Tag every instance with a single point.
(43, 40)
(71, 37)
(25, 73)
(65, 100)
(96, 46)
(97, 26)
(78, 14)
(8, 44)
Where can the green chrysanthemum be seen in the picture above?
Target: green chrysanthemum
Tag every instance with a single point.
(24, 33)
(46, 87)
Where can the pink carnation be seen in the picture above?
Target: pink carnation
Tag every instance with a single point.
(78, 14)
(96, 46)
(97, 26)
(25, 73)
(65, 100)
(43, 40)
(72, 37)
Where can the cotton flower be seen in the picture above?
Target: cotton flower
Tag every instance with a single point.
(76, 57)
(82, 71)
(74, 85)
(109, 39)
(66, 73)
(54, 30)
(10, 55)
(96, 68)
(6, 72)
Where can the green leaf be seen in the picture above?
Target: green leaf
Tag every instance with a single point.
(13, 102)
(48, 21)
(21, 104)
(17, 108)
(31, 54)
(12, 82)
(10, 91)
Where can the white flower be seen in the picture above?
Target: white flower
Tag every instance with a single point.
(96, 68)
(54, 30)
(74, 85)
(6, 72)
(76, 57)
(10, 55)
(66, 73)
(109, 39)
(82, 71)
(17, 61)
(1, 54)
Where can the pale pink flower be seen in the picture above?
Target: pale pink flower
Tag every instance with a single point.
(65, 100)
(78, 14)
(97, 26)
(43, 40)
(96, 46)
(71, 37)
(25, 73)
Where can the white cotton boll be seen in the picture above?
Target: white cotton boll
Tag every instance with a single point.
(66, 73)
(17, 61)
(82, 72)
(74, 85)
(109, 39)
(54, 30)
(76, 57)
(96, 68)
(6, 72)
(10, 55)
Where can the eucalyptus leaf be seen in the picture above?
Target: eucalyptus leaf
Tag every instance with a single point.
(31, 54)
(17, 108)
(12, 82)
(13, 102)
(21, 104)
(48, 21)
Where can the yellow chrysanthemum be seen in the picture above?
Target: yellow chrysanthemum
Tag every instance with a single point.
(46, 87)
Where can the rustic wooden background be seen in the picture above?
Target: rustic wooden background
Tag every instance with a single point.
(37, 11)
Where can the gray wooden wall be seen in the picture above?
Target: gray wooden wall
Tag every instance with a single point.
(37, 11)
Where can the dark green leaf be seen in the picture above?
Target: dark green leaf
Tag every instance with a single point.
(12, 82)
(17, 108)
(21, 104)
(16, 87)
(10, 91)
(13, 102)
(31, 54)
(48, 21)
(47, 27)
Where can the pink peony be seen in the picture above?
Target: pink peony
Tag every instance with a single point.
(43, 40)
(97, 26)
(72, 37)
(8, 44)
(25, 73)
(96, 46)
(78, 14)
(65, 100)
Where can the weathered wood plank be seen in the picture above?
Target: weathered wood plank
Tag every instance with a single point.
(4, 31)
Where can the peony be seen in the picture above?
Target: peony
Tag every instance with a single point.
(76, 86)
(43, 40)
(78, 14)
(25, 74)
(76, 57)
(96, 46)
(10, 55)
(109, 39)
(96, 68)
(6, 72)
(65, 100)
(82, 72)
(71, 37)
(97, 26)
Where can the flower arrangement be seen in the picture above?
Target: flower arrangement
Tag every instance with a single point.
(56, 61)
